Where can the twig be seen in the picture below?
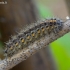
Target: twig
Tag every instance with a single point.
(8, 63)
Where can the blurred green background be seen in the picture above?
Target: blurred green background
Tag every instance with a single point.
(60, 49)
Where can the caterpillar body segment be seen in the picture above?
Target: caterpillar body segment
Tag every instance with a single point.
(31, 34)
(22, 40)
(9, 49)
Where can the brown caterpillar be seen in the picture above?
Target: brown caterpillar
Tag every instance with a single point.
(29, 35)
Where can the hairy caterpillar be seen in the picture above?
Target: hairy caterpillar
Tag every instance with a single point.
(31, 34)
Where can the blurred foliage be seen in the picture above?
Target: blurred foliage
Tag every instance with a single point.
(44, 11)
(60, 49)
(61, 52)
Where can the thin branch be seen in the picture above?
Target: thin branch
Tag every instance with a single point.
(8, 63)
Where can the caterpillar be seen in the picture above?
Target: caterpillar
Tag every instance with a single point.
(30, 34)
